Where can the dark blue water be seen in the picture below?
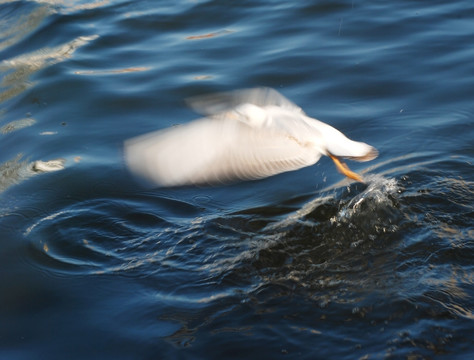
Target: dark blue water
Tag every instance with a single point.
(301, 265)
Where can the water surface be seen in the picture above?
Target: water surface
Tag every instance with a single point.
(301, 265)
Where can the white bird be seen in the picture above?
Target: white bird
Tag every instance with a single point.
(247, 134)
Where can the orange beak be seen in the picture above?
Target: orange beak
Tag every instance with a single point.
(344, 169)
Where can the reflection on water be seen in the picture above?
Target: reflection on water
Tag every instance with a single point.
(17, 125)
(16, 170)
(111, 71)
(15, 27)
(19, 69)
(45, 56)
(12, 171)
(209, 35)
(16, 78)
(74, 5)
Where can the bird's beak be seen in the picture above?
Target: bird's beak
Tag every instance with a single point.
(344, 169)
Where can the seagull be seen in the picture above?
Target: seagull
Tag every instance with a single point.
(245, 135)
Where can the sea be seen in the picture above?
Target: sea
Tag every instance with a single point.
(302, 265)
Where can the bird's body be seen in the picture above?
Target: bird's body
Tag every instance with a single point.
(248, 134)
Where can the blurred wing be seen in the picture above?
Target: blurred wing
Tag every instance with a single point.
(222, 102)
(214, 150)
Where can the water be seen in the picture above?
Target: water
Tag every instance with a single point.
(299, 265)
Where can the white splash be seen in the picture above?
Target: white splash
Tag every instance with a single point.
(378, 192)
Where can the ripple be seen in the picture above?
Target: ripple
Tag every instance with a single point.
(130, 238)
(349, 243)
(341, 245)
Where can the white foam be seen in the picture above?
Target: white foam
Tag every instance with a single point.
(378, 192)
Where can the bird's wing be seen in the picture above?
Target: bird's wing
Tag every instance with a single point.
(219, 149)
(222, 102)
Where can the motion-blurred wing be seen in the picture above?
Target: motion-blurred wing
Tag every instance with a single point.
(214, 150)
(222, 102)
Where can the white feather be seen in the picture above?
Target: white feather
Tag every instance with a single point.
(250, 134)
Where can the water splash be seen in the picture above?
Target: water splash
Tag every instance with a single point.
(378, 194)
